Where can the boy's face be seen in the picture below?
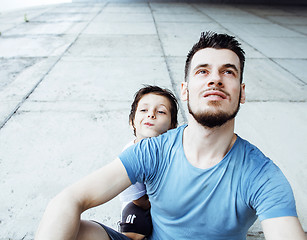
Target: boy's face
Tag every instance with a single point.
(152, 117)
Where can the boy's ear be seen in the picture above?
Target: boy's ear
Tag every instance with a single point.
(184, 91)
(131, 125)
(243, 96)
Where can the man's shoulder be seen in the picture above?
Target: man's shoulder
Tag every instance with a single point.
(170, 135)
(176, 130)
(172, 139)
(251, 153)
(161, 142)
(253, 161)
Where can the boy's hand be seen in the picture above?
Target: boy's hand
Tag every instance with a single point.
(142, 202)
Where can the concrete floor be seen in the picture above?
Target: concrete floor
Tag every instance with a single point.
(68, 73)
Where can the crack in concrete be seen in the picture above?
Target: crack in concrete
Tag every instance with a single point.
(13, 112)
(174, 85)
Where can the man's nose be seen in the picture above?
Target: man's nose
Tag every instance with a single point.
(215, 79)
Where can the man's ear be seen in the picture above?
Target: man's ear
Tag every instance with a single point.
(184, 91)
(243, 96)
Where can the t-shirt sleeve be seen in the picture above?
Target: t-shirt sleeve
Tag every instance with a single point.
(269, 192)
(140, 160)
(133, 192)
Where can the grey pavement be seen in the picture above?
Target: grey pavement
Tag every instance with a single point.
(68, 73)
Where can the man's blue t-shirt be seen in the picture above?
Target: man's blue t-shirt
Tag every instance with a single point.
(221, 202)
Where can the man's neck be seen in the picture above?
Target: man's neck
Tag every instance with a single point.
(206, 147)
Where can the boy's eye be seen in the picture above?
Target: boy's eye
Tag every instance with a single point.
(161, 112)
(143, 110)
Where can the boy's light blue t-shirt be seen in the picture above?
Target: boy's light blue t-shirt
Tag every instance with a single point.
(221, 202)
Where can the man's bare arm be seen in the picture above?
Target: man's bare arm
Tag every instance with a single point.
(62, 217)
(283, 228)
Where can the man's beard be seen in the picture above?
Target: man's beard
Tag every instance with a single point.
(216, 119)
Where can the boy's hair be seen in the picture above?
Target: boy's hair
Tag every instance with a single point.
(158, 91)
(217, 41)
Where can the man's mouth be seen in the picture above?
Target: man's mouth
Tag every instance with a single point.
(216, 94)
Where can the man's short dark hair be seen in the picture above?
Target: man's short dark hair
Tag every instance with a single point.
(217, 41)
(158, 91)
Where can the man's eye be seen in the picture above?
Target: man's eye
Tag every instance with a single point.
(201, 72)
(229, 72)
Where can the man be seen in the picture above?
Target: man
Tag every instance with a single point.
(203, 181)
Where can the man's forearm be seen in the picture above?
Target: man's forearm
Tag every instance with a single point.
(61, 219)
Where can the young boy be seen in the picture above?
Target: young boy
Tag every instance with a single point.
(153, 112)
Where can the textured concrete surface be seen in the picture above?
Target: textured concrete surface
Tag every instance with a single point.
(68, 75)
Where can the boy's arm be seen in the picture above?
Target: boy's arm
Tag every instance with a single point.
(142, 202)
(283, 228)
(62, 217)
